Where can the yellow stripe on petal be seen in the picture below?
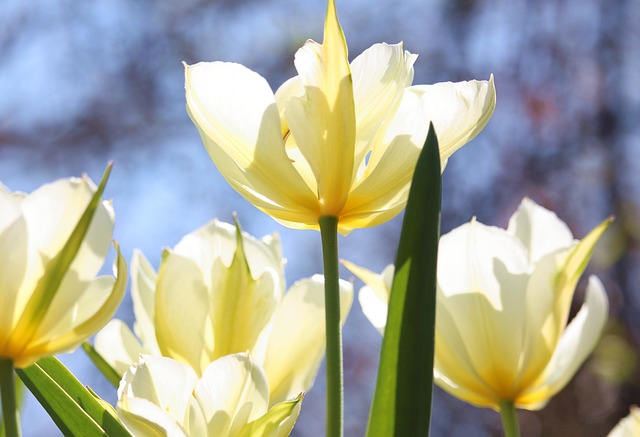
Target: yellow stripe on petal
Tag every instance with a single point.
(323, 120)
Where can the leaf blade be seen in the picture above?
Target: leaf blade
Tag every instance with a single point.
(74, 409)
(403, 394)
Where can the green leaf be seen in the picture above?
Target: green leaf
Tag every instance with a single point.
(101, 364)
(76, 410)
(402, 400)
(55, 270)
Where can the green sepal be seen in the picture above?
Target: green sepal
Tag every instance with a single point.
(277, 422)
(76, 410)
(404, 389)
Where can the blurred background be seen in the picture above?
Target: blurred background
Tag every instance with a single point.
(82, 83)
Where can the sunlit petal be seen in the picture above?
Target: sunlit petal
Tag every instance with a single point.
(118, 346)
(297, 340)
(232, 392)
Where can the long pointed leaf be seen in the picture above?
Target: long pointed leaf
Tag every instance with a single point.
(76, 410)
(101, 364)
(402, 400)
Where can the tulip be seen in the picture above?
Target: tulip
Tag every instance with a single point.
(334, 148)
(53, 242)
(218, 292)
(628, 426)
(503, 302)
(162, 396)
(338, 140)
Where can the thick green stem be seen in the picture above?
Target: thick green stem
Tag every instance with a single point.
(329, 234)
(509, 419)
(10, 413)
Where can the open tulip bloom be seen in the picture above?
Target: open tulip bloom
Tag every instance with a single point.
(218, 292)
(334, 148)
(503, 301)
(162, 396)
(337, 140)
(53, 242)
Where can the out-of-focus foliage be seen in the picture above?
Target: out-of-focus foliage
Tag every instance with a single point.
(82, 82)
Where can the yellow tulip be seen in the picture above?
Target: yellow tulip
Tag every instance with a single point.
(503, 300)
(220, 292)
(53, 242)
(339, 139)
(161, 396)
(628, 426)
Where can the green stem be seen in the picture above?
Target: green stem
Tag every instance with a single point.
(329, 234)
(509, 419)
(10, 412)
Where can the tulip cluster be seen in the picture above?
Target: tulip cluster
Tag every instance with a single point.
(503, 299)
(221, 292)
(219, 346)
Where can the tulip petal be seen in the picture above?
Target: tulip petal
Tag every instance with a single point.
(182, 310)
(485, 289)
(83, 319)
(143, 294)
(155, 395)
(232, 392)
(374, 296)
(577, 342)
(571, 270)
(52, 212)
(13, 263)
(117, 345)
(236, 114)
(241, 306)
(323, 121)
(219, 240)
(539, 230)
(459, 111)
(380, 75)
(628, 426)
(297, 340)
(454, 367)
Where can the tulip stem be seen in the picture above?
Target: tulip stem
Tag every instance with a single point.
(329, 234)
(10, 413)
(509, 419)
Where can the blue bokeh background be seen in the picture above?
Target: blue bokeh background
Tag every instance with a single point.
(82, 83)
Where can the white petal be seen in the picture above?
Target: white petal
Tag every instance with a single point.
(482, 275)
(374, 296)
(74, 304)
(143, 294)
(156, 391)
(13, 264)
(467, 256)
(117, 345)
(380, 75)
(577, 342)
(459, 111)
(219, 240)
(233, 391)
(629, 426)
(539, 230)
(52, 212)
(236, 113)
(182, 308)
(297, 341)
